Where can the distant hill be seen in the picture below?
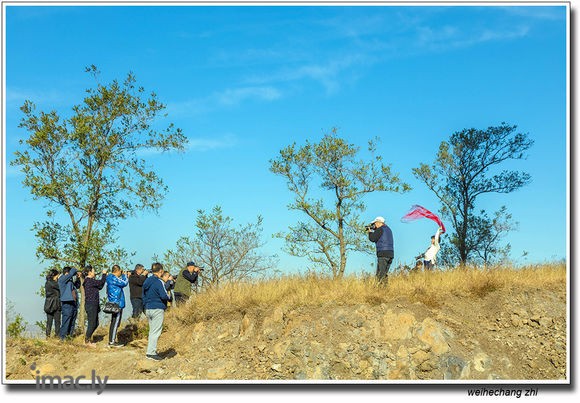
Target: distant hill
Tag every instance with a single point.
(464, 324)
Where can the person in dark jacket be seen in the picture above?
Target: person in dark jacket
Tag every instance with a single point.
(169, 285)
(184, 282)
(92, 287)
(52, 302)
(136, 279)
(116, 281)
(382, 236)
(155, 302)
(68, 284)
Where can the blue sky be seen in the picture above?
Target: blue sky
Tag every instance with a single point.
(243, 82)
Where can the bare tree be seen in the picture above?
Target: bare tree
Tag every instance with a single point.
(229, 253)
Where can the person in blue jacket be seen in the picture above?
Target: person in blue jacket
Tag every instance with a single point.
(116, 281)
(380, 233)
(155, 302)
(68, 285)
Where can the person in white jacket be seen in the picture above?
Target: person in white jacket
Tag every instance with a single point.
(429, 257)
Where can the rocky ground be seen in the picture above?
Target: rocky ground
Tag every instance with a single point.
(516, 334)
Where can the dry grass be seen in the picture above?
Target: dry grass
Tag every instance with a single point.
(430, 289)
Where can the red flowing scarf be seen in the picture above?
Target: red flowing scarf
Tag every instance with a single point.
(417, 212)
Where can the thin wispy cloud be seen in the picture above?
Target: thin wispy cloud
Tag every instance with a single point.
(15, 97)
(555, 13)
(188, 107)
(363, 41)
(212, 143)
(328, 75)
(228, 97)
(447, 38)
(12, 172)
(236, 96)
(197, 144)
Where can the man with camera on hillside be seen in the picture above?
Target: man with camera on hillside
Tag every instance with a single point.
(184, 282)
(136, 279)
(382, 236)
(68, 285)
(155, 302)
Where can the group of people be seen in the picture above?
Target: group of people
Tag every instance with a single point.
(380, 233)
(150, 294)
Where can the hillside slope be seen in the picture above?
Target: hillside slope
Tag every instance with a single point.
(497, 329)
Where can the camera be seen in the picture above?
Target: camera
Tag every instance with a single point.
(370, 226)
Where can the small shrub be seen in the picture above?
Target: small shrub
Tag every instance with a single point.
(41, 325)
(374, 300)
(426, 297)
(483, 287)
(17, 328)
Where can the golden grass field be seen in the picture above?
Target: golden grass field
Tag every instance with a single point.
(513, 314)
(429, 288)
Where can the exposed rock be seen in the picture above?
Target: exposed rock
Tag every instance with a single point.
(273, 325)
(397, 326)
(431, 333)
(481, 362)
(455, 368)
(546, 322)
(246, 327)
(277, 367)
(403, 368)
(516, 320)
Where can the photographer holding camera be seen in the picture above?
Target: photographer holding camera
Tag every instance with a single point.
(185, 280)
(136, 279)
(68, 285)
(116, 281)
(382, 236)
(92, 287)
(155, 302)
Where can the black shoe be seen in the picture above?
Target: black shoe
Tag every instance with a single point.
(154, 357)
(116, 344)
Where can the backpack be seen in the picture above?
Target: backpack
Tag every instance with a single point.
(51, 305)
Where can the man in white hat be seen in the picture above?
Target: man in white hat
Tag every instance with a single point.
(382, 236)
